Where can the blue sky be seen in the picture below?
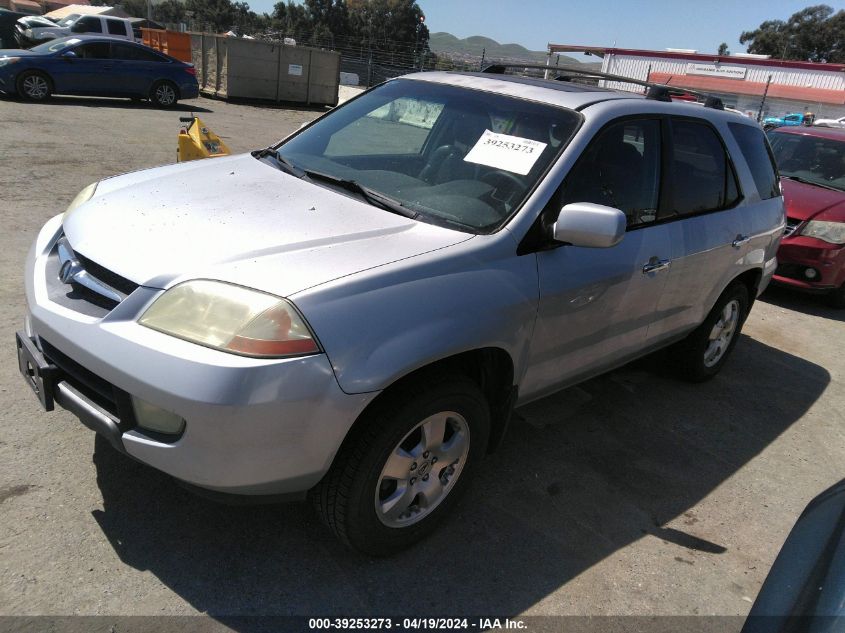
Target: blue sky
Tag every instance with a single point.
(655, 24)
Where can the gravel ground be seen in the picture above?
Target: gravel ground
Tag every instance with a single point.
(630, 494)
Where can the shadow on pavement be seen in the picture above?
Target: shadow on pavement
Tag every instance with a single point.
(105, 102)
(815, 305)
(582, 474)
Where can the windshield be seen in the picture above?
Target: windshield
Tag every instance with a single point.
(56, 45)
(448, 155)
(819, 161)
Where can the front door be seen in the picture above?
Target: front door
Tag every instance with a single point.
(596, 305)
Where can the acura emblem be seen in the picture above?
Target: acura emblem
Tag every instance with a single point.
(69, 270)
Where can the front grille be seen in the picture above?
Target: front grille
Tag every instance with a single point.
(107, 277)
(791, 225)
(81, 298)
(99, 390)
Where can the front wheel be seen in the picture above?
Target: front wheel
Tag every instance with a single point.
(163, 94)
(405, 465)
(34, 85)
(702, 354)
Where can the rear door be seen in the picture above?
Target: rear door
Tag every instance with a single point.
(135, 68)
(709, 231)
(596, 304)
(118, 28)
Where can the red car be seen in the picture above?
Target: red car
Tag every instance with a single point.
(811, 257)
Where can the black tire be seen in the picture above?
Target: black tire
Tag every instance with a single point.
(164, 94)
(346, 498)
(688, 357)
(836, 299)
(33, 85)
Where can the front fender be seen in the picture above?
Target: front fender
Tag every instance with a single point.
(379, 325)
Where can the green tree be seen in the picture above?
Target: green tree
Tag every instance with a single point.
(290, 18)
(723, 49)
(169, 12)
(814, 34)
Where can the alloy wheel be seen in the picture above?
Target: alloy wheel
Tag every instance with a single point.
(422, 469)
(722, 333)
(165, 94)
(35, 87)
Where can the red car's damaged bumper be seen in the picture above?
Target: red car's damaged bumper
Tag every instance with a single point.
(810, 264)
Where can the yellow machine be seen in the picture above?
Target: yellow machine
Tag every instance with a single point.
(197, 141)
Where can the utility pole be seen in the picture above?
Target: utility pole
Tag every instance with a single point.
(763, 100)
(483, 53)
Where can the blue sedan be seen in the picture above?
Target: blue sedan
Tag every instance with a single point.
(96, 66)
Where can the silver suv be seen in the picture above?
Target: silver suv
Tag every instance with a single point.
(355, 312)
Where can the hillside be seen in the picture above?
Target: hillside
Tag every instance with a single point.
(471, 48)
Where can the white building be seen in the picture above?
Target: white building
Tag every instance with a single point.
(740, 80)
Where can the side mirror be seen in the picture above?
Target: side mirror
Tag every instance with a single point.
(69, 55)
(590, 225)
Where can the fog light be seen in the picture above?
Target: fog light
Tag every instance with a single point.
(153, 418)
(811, 273)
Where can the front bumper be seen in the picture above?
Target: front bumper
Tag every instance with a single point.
(798, 254)
(253, 426)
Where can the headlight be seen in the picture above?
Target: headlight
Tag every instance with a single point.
(81, 198)
(833, 232)
(4, 61)
(232, 319)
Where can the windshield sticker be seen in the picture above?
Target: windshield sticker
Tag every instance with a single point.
(502, 151)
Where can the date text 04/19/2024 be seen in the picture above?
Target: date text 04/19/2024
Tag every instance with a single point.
(416, 624)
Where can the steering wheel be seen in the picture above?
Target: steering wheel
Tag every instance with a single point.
(505, 184)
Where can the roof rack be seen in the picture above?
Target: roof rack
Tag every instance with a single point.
(656, 91)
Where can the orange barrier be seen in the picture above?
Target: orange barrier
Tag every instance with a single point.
(171, 43)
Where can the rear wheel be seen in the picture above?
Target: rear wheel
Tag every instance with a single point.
(34, 85)
(702, 354)
(164, 94)
(405, 466)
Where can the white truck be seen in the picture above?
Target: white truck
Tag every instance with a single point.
(29, 35)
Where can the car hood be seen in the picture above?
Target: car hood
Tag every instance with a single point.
(804, 201)
(240, 220)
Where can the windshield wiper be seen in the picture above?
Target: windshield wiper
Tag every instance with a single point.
(807, 181)
(371, 196)
(281, 162)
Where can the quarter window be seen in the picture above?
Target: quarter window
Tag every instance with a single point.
(702, 178)
(620, 169)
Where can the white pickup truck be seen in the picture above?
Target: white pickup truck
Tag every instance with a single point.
(29, 35)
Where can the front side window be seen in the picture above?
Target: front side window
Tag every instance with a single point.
(447, 155)
(812, 159)
(93, 50)
(702, 178)
(87, 25)
(620, 169)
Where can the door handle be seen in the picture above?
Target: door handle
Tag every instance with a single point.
(740, 240)
(655, 265)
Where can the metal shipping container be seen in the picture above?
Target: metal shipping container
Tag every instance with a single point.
(252, 69)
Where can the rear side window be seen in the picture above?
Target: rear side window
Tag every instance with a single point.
(134, 53)
(702, 178)
(758, 155)
(116, 27)
(620, 169)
